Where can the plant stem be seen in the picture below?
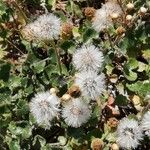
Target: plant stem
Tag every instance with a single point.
(105, 135)
(57, 56)
(21, 12)
(15, 46)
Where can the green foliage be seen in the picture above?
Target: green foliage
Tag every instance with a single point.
(28, 67)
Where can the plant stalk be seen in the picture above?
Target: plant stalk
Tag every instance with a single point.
(57, 56)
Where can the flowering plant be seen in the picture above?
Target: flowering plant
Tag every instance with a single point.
(74, 75)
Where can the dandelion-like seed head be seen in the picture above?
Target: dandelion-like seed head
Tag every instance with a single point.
(90, 83)
(145, 124)
(88, 57)
(128, 133)
(45, 28)
(76, 112)
(112, 7)
(44, 108)
(103, 17)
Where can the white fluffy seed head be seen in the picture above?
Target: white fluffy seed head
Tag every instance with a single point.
(88, 57)
(145, 123)
(129, 134)
(45, 28)
(44, 107)
(91, 84)
(76, 112)
(102, 19)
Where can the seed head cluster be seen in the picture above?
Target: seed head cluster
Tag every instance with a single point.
(46, 27)
(103, 18)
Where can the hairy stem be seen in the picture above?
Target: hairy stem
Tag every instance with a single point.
(21, 12)
(57, 56)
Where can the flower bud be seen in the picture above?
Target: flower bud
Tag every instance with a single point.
(89, 12)
(114, 146)
(129, 17)
(130, 6)
(53, 91)
(66, 97)
(143, 10)
(114, 15)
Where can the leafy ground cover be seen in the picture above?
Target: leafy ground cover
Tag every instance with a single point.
(91, 61)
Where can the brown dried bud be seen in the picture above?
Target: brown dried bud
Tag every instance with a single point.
(67, 30)
(74, 91)
(112, 122)
(120, 30)
(97, 144)
(114, 146)
(89, 12)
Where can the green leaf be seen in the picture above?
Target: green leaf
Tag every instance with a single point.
(14, 145)
(15, 81)
(40, 139)
(89, 34)
(67, 45)
(146, 54)
(62, 140)
(52, 3)
(140, 87)
(131, 76)
(121, 100)
(96, 112)
(4, 71)
(38, 67)
(128, 69)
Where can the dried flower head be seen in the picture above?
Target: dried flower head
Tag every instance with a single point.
(44, 107)
(76, 112)
(74, 91)
(89, 12)
(102, 18)
(97, 144)
(88, 57)
(112, 122)
(120, 30)
(145, 124)
(67, 30)
(129, 133)
(90, 83)
(45, 28)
